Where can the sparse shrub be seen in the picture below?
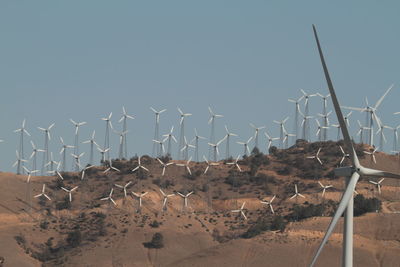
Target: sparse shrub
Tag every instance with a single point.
(157, 241)
(154, 224)
(44, 225)
(278, 223)
(64, 204)
(363, 205)
(300, 212)
(74, 238)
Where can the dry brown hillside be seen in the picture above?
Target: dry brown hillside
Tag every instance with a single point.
(92, 232)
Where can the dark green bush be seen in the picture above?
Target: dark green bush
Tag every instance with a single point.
(363, 205)
(156, 242)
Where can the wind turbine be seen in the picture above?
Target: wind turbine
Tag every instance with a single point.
(109, 197)
(324, 101)
(185, 149)
(361, 131)
(228, 137)
(182, 131)
(353, 173)
(165, 199)
(107, 134)
(382, 137)
(372, 154)
(324, 187)
(282, 129)
(47, 138)
(156, 129)
(161, 150)
(215, 149)
(371, 114)
(124, 187)
(269, 204)
(43, 193)
(395, 136)
(286, 139)
(76, 143)
(306, 111)
(92, 143)
(186, 165)
(125, 116)
(34, 155)
(316, 157)
(378, 184)
(78, 160)
(84, 171)
(63, 151)
(296, 115)
(319, 132)
(121, 151)
(296, 193)
(169, 136)
(140, 166)
(29, 172)
(51, 163)
(256, 132)
(211, 121)
(196, 144)
(69, 191)
(246, 146)
(305, 127)
(345, 155)
(110, 167)
(185, 198)
(164, 165)
(103, 153)
(209, 164)
(235, 163)
(270, 140)
(22, 131)
(19, 162)
(325, 128)
(139, 196)
(241, 211)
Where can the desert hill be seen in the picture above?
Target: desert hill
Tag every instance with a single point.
(92, 232)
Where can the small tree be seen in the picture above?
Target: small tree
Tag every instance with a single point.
(156, 242)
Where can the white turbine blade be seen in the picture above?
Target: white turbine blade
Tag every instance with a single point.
(162, 192)
(341, 208)
(244, 215)
(206, 169)
(301, 195)
(144, 168)
(135, 169)
(343, 126)
(378, 103)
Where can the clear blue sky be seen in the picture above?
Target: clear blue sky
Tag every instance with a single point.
(84, 59)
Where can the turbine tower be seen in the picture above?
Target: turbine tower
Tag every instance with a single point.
(46, 155)
(296, 115)
(211, 121)
(156, 130)
(168, 137)
(282, 130)
(215, 150)
(125, 116)
(306, 109)
(34, 155)
(395, 136)
(305, 127)
(107, 134)
(182, 132)
(185, 149)
(76, 143)
(228, 137)
(353, 173)
(63, 151)
(246, 146)
(196, 144)
(22, 131)
(325, 128)
(92, 143)
(256, 132)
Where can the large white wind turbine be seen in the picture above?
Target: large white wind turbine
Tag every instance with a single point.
(92, 143)
(156, 130)
(378, 184)
(107, 134)
(164, 165)
(305, 126)
(196, 139)
(33, 156)
(186, 165)
(110, 167)
(160, 149)
(246, 146)
(109, 197)
(361, 130)
(316, 156)
(139, 197)
(382, 137)
(29, 173)
(63, 151)
(69, 191)
(211, 121)
(185, 148)
(168, 137)
(325, 124)
(268, 203)
(165, 199)
(22, 132)
(296, 115)
(125, 116)
(47, 137)
(353, 173)
(241, 211)
(103, 153)
(185, 199)
(270, 140)
(140, 166)
(286, 139)
(122, 137)
(228, 138)
(282, 130)
(256, 133)
(182, 132)
(76, 143)
(324, 187)
(395, 136)
(124, 187)
(235, 163)
(43, 193)
(215, 150)
(78, 160)
(209, 164)
(371, 114)
(306, 111)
